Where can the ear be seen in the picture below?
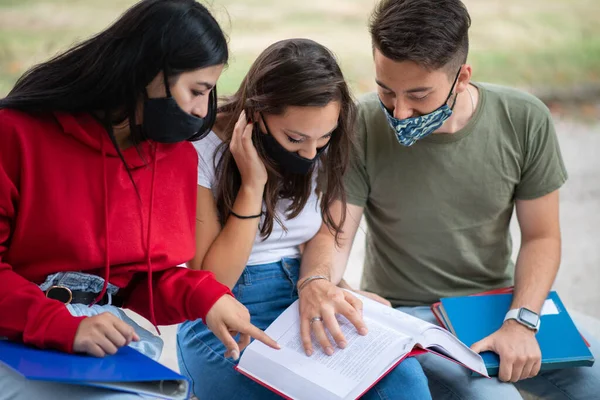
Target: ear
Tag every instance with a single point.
(464, 77)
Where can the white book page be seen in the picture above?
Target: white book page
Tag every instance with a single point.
(426, 334)
(359, 364)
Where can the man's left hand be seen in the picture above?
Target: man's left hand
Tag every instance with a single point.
(519, 351)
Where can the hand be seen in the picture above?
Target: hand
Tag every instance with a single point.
(103, 334)
(227, 318)
(321, 298)
(252, 169)
(520, 355)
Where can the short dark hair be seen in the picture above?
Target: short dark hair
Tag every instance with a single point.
(431, 33)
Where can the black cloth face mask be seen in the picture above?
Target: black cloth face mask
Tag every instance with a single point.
(165, 122)
(288, 161)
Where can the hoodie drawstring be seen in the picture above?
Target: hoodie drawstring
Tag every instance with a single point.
(106, 230)
(148, 236)
(149, 241)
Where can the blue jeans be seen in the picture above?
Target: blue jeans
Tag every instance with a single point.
(267, 290)
(16, 387)
(448, 380)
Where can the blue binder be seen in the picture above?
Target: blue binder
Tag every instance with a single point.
(471, 318)
(127, 371)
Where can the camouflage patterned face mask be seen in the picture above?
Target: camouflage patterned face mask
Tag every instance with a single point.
(409, 130)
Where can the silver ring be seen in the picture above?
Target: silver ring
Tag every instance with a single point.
(315, 319)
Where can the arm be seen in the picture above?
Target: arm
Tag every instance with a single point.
(213, 243)
(25, 313)
(322, 298)
(535, 271)
(539, 256)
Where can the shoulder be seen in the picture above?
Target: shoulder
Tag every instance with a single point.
(516, 104)
(207, 147)
(18, 126)
(15, 120)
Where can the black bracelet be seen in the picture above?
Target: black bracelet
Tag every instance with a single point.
(245, 216)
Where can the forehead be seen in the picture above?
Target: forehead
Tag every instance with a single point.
(312, 121)
(405, 74)
(208, 74)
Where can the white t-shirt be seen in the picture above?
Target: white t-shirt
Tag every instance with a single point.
(279, 244)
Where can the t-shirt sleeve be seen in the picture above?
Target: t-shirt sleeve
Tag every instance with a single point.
(206, 149)
(543, 168)
(357, 179)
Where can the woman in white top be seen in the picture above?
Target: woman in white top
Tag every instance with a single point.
(270, 205)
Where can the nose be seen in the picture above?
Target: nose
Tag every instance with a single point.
(309, 151)
(200, 107)
(402, 110)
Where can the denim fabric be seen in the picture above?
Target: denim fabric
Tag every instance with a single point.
(15, 387)
(149, 344)
(448, 380)
(267, 290)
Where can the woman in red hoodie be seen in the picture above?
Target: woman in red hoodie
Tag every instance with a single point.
(98, 190)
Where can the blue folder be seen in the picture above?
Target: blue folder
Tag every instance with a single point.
(127, 371)
(471, 318)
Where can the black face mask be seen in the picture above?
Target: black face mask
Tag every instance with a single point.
(165, 122)
(288, 161)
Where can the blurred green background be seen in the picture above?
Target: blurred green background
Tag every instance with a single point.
(530, 44)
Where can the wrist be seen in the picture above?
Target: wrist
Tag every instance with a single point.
(252, 190)
(514, 325)
(309, 280)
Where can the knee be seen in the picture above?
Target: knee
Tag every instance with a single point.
(411, 372)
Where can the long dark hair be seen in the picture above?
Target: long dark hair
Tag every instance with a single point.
(294, 72)
(107, 74)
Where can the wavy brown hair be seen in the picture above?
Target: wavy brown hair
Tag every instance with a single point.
(293, 72)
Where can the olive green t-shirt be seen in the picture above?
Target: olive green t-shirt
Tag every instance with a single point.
(438, 212)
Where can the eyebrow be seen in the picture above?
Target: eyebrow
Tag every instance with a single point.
(413, 90)
(206, 84)
(306, 136)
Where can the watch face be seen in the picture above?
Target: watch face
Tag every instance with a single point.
(529, 317)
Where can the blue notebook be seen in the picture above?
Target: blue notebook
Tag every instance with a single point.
(126, 371)
(471, 318)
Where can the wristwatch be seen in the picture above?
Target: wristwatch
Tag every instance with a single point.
(525, 317)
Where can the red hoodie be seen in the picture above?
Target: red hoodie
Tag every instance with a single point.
(68, 204)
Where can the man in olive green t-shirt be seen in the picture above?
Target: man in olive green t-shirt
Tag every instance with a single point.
(442, 162)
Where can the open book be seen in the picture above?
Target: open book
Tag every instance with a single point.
(127, 371)
(351, 372)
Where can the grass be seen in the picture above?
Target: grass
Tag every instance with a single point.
(527, 44)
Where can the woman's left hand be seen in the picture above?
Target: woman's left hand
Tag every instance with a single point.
(320, 301)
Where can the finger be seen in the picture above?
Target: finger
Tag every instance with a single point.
(351, 313)
(526, 371)
(116, 337)
(319, 329)
(305, 335)
(247, 140)
(484, 344)
(105, 344)
(228, 341)
(354, 301)
(259, 335)
(239, 127)
(94, 350)
(517, 370)
(506, 370)
(244, 341)
(332, 325)
(126, 331)
(535, 370)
